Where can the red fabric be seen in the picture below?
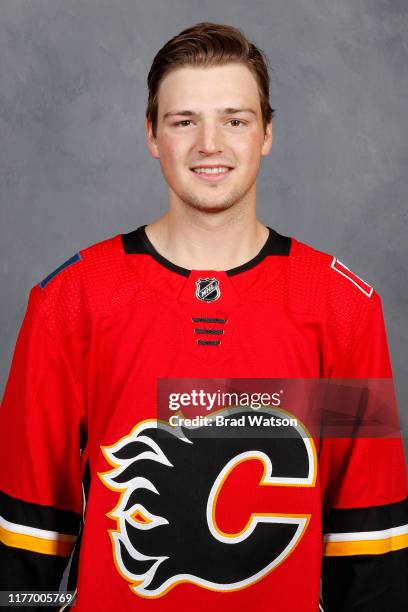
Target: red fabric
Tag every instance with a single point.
(93, 344)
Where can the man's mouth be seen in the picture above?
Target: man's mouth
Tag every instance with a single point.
(212, 173)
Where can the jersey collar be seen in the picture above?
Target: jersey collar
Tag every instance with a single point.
(137, 242)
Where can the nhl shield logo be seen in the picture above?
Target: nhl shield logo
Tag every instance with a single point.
(208, 289)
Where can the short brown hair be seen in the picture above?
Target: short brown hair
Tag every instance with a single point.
(208, 44)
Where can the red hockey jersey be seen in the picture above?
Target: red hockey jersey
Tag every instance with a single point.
(155, 519)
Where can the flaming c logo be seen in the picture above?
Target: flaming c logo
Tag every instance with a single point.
(171, 519)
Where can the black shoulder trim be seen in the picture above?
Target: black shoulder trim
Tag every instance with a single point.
(276, 244)
(137, 242)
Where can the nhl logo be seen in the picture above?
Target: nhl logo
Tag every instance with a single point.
(208, 289)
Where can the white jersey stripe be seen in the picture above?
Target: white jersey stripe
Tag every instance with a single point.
(366, 535)
(35, 532)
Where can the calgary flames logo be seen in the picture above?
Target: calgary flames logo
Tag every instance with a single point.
(178, 496)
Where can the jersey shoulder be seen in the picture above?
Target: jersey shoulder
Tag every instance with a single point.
(91, 283)
(326, 273)
(318, 261)
(323, 287)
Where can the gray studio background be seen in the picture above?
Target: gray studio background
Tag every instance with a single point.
(74, 167)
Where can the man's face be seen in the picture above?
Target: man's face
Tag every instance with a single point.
(210, 118)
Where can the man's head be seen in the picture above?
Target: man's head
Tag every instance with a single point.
(209, 106)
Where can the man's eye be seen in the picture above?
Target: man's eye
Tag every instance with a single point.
(187, 122)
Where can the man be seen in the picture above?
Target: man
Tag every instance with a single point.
(164, 519)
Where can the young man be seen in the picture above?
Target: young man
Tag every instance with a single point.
(165, 520)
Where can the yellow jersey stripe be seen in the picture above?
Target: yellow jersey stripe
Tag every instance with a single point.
(57, 546)
(378, 546)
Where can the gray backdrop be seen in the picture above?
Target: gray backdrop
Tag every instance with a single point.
(74, 167)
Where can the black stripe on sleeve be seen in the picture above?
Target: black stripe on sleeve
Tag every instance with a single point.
(374, 518)
(36, 515)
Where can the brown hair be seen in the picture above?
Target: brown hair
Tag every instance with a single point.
(208, 44)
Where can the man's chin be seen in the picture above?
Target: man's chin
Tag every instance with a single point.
(210, 206)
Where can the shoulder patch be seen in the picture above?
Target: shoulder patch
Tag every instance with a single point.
(66, 264)
(339, 267)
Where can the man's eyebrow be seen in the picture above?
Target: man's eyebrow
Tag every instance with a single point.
(232, 111)
(220, 111)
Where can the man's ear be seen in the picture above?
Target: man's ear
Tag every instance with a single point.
(151, 140)
(268, 139)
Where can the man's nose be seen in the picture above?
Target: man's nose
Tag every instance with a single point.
(210, 138)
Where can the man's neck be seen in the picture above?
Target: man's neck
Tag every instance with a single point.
(207, 245)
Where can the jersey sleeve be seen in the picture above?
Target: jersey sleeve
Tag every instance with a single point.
(365, 510)
(42, 432)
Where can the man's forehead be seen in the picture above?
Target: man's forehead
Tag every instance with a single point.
(188, 79)
(214, 89)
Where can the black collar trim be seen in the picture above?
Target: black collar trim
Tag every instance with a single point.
(137, 242)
